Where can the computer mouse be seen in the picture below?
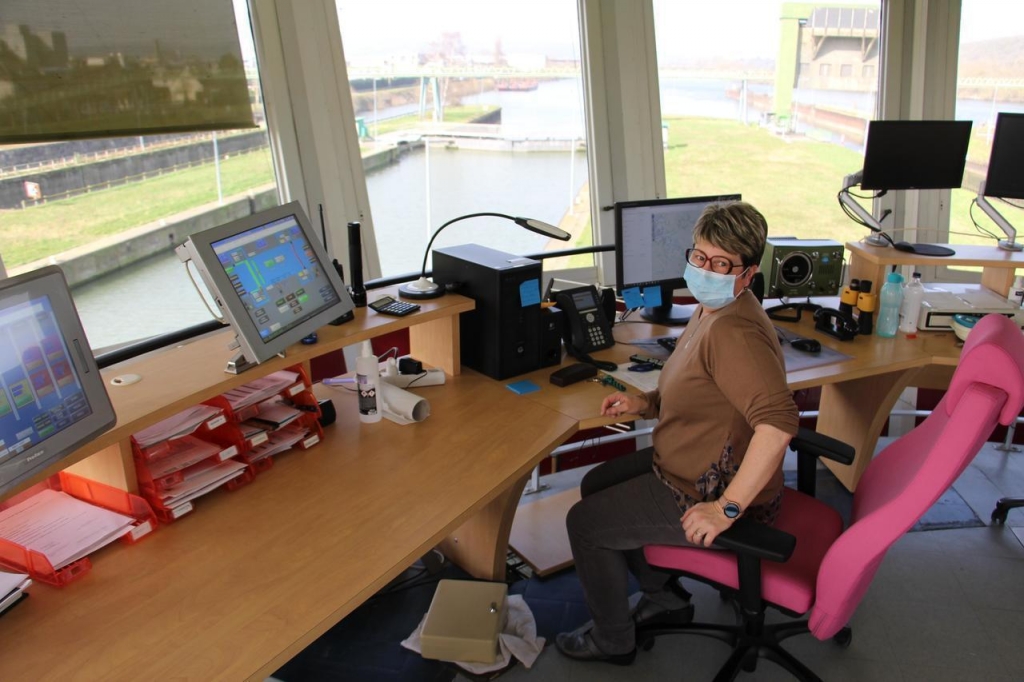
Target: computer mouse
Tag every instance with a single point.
(904, 246)
(806, 345)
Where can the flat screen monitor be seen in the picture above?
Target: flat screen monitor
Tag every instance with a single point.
(915, 154)
(1005, 177)
(271, 279)
(53, 399)
(651, 239)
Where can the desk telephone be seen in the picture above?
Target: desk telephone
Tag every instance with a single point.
(587, 327)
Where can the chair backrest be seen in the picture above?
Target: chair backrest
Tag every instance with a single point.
(904, 480)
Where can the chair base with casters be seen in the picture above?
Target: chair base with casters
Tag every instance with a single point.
(786, 561)
(1003, 507)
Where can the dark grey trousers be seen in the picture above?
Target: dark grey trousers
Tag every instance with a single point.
(624, 507)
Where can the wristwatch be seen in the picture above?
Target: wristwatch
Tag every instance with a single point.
(729, 508)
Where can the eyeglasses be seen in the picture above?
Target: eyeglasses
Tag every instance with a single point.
(719, 264)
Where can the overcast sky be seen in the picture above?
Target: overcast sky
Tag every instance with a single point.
(685, 29)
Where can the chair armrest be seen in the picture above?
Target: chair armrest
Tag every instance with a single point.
(819, 445)
(747, 537)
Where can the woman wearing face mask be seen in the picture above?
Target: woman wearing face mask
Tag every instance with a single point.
(725, 415)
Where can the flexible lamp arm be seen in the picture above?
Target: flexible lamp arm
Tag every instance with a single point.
(1008, 244)
(530, 224)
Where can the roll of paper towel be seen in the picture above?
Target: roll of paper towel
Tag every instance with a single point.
(402, 406)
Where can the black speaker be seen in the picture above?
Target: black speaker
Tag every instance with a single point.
(552, 324)
(608, 304)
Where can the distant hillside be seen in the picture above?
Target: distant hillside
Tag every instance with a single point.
(993, 58)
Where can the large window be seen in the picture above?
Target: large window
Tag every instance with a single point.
(771, 100)
(990, 79)
(465, 107)
(110, 210)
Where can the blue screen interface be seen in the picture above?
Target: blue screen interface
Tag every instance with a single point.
(277, 275)
(41, 393)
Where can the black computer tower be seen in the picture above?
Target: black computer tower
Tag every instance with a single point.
(502, 336)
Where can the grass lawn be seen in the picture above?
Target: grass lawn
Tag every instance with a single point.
(40, 231)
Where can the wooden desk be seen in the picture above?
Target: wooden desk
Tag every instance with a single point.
(857, 394)
(997, 266)
(234, 589)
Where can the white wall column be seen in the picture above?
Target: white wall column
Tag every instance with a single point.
(312, 122)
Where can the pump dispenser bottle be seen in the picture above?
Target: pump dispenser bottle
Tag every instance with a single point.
(367, 382)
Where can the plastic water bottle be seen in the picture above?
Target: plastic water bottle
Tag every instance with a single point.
(913, 296)
(890, 299)
(368, 385)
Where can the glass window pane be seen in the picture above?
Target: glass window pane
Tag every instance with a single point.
(110, 211)
(989, 81)
(770, 100)
(467, 107)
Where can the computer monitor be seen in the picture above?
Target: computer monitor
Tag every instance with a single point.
(52, 397)
(915, 154)
(901, 155)
(651, 239)
(1005, 178)
(271, 279)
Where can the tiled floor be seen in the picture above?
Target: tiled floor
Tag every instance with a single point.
(946, 605)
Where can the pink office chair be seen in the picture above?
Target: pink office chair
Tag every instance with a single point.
(815, 568)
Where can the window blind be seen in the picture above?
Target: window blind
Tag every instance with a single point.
(101, 68)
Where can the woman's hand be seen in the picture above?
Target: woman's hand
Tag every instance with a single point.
(618, 404)
(703, 522)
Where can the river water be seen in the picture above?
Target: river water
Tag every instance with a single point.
(157, 296)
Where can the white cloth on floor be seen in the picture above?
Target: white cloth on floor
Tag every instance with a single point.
(518, 638)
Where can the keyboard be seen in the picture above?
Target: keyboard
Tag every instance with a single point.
(668, 343)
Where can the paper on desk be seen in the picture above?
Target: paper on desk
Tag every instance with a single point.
(181, 424)
(10, 582)
(182, 453)
(518, 638)
(279, 441)
(260, 389)
(200, 479)
(645, 381)
(62, 528)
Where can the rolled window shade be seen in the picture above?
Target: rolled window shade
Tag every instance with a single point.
(72, 69)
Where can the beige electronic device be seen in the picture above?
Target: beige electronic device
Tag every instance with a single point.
(943, 301)
(463, 621)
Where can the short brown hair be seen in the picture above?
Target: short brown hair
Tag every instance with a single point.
(736, 227)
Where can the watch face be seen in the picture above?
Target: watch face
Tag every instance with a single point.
(732, 510)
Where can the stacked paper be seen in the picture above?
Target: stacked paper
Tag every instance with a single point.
(12, 589)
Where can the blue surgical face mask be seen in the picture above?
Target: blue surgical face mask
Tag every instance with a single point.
(711, 289)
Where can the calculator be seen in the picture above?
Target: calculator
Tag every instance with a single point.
(391, 306)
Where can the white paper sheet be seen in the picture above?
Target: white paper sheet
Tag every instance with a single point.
(61, 527)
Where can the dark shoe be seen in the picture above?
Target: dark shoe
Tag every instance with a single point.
(648, 613)
(580, 646)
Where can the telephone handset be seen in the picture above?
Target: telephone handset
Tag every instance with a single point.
(586, 323)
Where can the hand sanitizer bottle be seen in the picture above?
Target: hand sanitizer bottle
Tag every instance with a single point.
(367, 383)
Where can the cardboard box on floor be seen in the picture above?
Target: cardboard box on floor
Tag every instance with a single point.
(464, 620)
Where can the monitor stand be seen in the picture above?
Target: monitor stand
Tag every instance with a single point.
(924, 249)
(238, 364)
(668, 313)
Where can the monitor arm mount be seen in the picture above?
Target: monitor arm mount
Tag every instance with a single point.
(878, 237)
(1008, 244)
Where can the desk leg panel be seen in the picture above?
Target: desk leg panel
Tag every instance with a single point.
(437, 343)
(480, 545)
(854, 412)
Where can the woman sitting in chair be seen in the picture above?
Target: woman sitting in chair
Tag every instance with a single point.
(725, 417)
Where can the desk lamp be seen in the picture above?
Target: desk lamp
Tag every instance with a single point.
(424, 288)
